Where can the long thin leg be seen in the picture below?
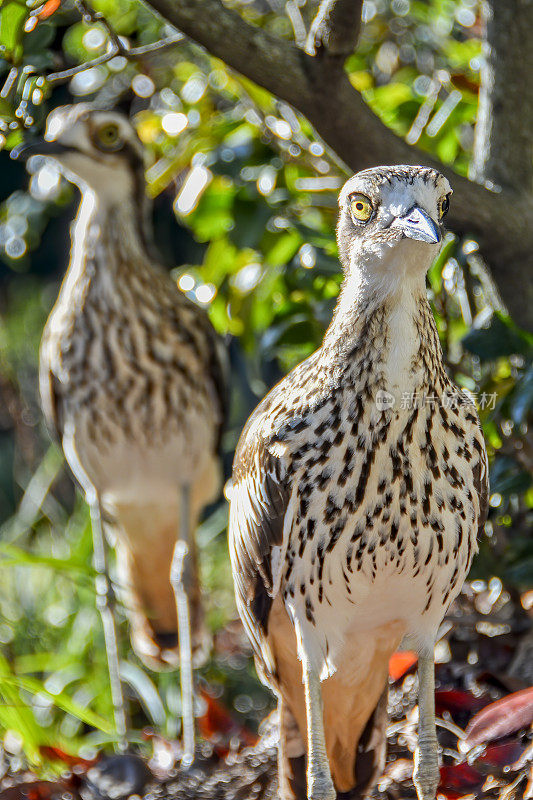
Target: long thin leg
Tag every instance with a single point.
(178, 580)
(104, 604)
(426, 774)
(291, 756)
(319, 782)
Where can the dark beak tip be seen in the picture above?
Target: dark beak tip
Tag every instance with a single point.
(418, 225)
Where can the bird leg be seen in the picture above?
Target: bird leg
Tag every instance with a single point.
(178, 580)
(291, 755)
(426, 773)
(105, 603)
(319, 782)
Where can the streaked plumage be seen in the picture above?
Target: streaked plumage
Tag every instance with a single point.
(352, 523)
(130, 374)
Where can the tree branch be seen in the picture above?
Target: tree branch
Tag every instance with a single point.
(275, 64)
(320, 89)
(335, 28)
(131, 54)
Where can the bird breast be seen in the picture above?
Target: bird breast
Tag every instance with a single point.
(384, 528)
(129, 367)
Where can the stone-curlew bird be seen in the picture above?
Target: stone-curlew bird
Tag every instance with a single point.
(359, 488)
(131, 379)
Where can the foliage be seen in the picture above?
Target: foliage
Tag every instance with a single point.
(253, 196)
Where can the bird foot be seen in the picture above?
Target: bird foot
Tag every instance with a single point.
(320, 787)
(426, 776)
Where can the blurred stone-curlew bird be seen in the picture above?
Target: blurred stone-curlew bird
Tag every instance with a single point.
(131, 379)
(359, 488)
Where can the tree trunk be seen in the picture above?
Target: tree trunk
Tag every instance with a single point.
(503, 148)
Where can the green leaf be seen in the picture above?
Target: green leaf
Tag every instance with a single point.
(12, 18)
(16, 556)
(522, 398)
(500, 338)
(283, 250)
(17, 715)
(6, 110)
(61, 701)
(296, 329)
(507, 477)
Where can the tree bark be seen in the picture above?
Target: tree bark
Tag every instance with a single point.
(335, 28)
(503, 150)
(503, 147)
(498, 216)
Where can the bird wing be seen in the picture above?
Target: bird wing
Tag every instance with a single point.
(195, 330)
(258, 533)
(480, 470)
(50, 395)
(481, 481)
(219, 371)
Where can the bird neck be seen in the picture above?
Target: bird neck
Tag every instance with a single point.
(388, 327)
(110, 237)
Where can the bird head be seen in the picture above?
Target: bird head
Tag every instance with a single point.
(390, 220)
(93, 148)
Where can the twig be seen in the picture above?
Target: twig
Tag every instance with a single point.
(116, 46)
(298, 25)
(399, 727)
(132, 54)
(90, 16)
(186, 675)
(10, 82)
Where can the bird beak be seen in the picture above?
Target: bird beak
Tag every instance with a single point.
(39, 147)
(417, 224)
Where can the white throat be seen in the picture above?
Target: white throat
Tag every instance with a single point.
(401, 373)
(389, 287)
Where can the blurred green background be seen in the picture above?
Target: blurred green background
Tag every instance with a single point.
(244, 198)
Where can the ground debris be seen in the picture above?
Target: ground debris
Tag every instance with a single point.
(484, 707)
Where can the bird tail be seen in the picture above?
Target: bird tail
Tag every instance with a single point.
(145, 538)
(370, 756)
(145, 533)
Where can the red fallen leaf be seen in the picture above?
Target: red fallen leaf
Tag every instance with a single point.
(501, 755)
(501, 718)
(56, 754)
(400, 663)
(217, 722)
(459, 777)
(36, 790)
(49, 8)
(456, 700)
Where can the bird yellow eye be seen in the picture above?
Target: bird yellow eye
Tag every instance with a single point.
(108, 136)
(361, 207)
(444, 205)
